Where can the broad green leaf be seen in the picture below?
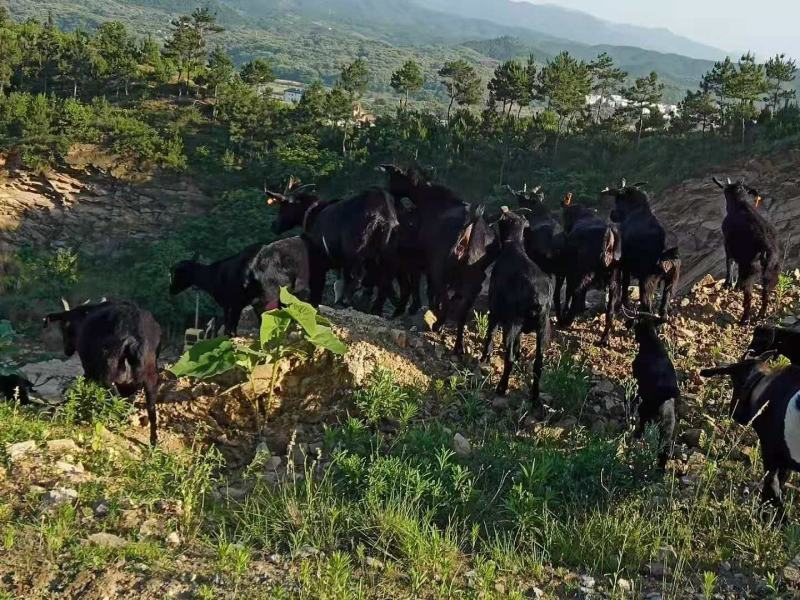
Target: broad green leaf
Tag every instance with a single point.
(326, 339)
(206, 359)
(301, 312)
(274, 325)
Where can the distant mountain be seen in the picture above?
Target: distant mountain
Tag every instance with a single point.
(573, 25)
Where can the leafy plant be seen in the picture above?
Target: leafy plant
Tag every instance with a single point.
(382, 398)
(709, 584)
(89, 402)
(294, 330)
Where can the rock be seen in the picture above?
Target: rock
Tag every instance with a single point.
(68, 468)
(461, 446)
(273, 464)
(791, 572)
(789, 321)
(587, 581)
(399, 337)
(307, 551)
(599, 426)
(374, 563)
(151, 528)
(725, 567)
(658, 570)
(537, 592)
(299, 453)
(667, 553)
(604, 387)
(500, 402)
(693, 437)
(653, 596)
(685, 302)
(609, 402)
(20, 450)
(567, 423)
(101, 508)
(624, 585)
(58, 496)
(64, 446)
(173, 539)
(106, 540)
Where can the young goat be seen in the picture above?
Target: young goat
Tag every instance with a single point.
(770, 401)
(783, 341)
(118, 345)
(520, 298)
(15, 387)
(657, 381)
(750, 242)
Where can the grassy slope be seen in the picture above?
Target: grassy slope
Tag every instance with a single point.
(392, 512)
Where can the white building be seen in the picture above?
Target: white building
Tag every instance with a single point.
(292, 95)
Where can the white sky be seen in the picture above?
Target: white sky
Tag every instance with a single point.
(765, 26)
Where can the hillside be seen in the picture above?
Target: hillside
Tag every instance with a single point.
(574, 25)
(310, 39)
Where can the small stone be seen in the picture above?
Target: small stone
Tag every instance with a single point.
(20, 450)
(693, 437)
(653, 596)
(173, 539)
(399, 337)
(500, 403)
(685, 302)
(59, 496)
(64, 446)
(604, 387)
(624, 585)
(725, 567)
(374, 563)
(274, 463)
(567, 423)
(69, 468)
(151, 528)
(609, 402)
(587, 581)
(461, 446)
(658, 570)
(101, 509)
(537, 592)
(789, 321)
(307, 551)
(106, 540)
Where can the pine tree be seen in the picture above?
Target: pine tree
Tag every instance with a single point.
(462, 83)
(407, 80)
(606, 79)
(355, 77)
(78, 60)
(257, 73)
(10, 55)
(780, 70)
(746, 84)
(643, 95)
(117, 51)
(697, 110)
(565, 82)
(187, 43)
(509, 84)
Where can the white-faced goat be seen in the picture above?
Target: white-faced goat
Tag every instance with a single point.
(118, 345)
(520, 300)
(751, 242)
(769, 399)
(657, 382)
(785, 342)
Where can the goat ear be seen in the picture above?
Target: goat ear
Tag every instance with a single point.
(718, 182)
(568, 199)
(52, 318)
(462, 245)
(387, 168)
(612, 246)
(274, 197)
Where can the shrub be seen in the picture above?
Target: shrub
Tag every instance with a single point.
(88, 402)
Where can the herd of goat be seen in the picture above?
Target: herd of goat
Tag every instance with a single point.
(415, 229)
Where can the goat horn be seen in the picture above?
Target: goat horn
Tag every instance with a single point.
(623, 183)
(103, 300)
(525, 187)
(88, 301)
(605, 190)
(65, 304)
(536, 189)
(729, 180)
(510, 189)
(524, 210)
(504, 209)
(718, 182)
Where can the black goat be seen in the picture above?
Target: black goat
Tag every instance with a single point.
(645, 255)
(16, 387)
(349, 234)
(783, 341)
(541, 240)
(657, 381)
(750, 242)
(442, 216)
(118, 345)
(520, 300)
(255, 277)
(590, 256)
(770, 401)
(226, 281)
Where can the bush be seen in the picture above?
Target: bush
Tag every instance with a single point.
(383, 399)
(89, 402)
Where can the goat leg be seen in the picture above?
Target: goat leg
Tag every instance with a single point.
(748, 303)
(542, 335)
(667, 420)
(150, 393)
(510, 334)
(488, 343)
(557, 296)
(613, 293)
(771, 492)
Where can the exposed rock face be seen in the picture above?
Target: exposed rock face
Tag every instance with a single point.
(90, 212)
(694, 210)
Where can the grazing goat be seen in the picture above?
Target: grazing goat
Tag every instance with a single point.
(590, 256)
(16, 387)
(350, 234)
(474, 251)
(770, 401)
(785, 342)
(520, 300)
(254, 277)
(645, 256)
(750, 242)
(657, 381)
(118, 345)
(442, 216)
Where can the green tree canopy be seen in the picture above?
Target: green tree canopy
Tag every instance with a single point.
(408, 79)
(462, 82)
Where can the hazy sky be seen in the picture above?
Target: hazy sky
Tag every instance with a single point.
(765, 26)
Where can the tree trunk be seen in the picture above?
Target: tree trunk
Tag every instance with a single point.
(519, 112)
(450, 107)
(75, 90)
(406, 104)
(599, 108)
(639, 130)
(743, 120)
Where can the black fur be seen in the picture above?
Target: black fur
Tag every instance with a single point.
(15, 387)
